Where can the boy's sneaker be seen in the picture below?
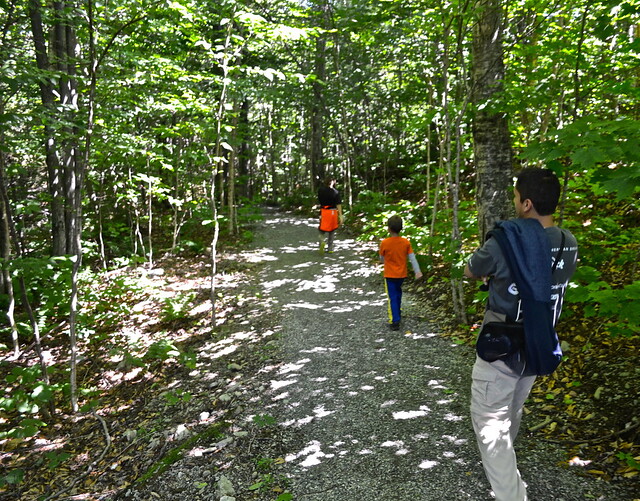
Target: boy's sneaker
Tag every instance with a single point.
(394, 326)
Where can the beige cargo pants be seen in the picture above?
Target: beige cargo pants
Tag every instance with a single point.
(497, 398)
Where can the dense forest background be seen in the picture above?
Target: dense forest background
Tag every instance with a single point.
(135, 130)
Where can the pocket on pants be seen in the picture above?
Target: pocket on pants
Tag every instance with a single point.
(487, 387)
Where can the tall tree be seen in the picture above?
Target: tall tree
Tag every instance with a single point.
(491, 139)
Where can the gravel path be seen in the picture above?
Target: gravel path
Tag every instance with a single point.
(372, 414)
(363, 413)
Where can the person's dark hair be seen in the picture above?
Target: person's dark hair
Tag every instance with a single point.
(395, 224)
(328, 180)
(542, 187)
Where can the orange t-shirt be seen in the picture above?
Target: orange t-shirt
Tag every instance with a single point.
(395, 251)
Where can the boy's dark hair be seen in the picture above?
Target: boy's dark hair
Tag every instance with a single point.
(542, 187)
(395, 224)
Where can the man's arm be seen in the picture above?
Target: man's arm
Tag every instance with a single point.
(468, 274)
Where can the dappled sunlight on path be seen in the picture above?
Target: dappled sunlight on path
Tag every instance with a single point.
(370, 413)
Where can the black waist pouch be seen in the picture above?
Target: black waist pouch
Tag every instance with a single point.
(499, 340)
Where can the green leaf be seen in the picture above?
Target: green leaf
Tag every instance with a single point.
(588, 157)
(14, 477)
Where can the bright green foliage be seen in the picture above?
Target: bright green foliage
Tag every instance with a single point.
(606, 149)
(177, 396)
(12, 478)
(54, 458)
(177, 308)
(629, 459)
(264, 420)
(617, 308)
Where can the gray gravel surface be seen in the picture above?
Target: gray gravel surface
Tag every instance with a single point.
(363, 413)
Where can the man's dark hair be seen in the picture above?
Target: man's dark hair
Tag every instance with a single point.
(395, 224)
(542, 187)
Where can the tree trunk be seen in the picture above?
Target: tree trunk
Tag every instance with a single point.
(492, 143)
(5, 250)
(55, 178)
(317, 107)
(243, 154)
(231, 181)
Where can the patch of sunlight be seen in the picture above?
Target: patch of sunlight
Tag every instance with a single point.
(494, 431)
(413, 335)
(44, 445)
(402, 415)
(453, 417)
(320, 412)
(341, 309)
(204, 376)
(402, 452)
(324, 284)
(367, 387)
(445, 401)
(391, 443)
(431, 367)
(276, 385)
(276, 283)
(312, 453)
(306, 306)
(282, 396)
(319, 349)
(388, 403)
(132, 374)
(201, 308)
(304, 420)
(427, 465)
(448, 454)
(294, 366)
(455, 440)
(226, 351)
(365, 451)
(303, 265)
(244, 335)
(436, 384)
(320, 379)
(287, 249)
(259, 256)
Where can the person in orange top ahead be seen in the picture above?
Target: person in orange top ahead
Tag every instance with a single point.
(330, 212)
(394, 252)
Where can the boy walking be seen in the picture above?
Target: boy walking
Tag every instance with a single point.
(394, 252)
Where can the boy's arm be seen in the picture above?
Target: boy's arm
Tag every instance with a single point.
(415, 265)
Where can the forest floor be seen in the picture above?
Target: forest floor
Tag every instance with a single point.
(303, 393)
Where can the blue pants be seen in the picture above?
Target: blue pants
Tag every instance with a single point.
(394, 294)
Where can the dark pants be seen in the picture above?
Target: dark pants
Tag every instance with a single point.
(394, 293)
